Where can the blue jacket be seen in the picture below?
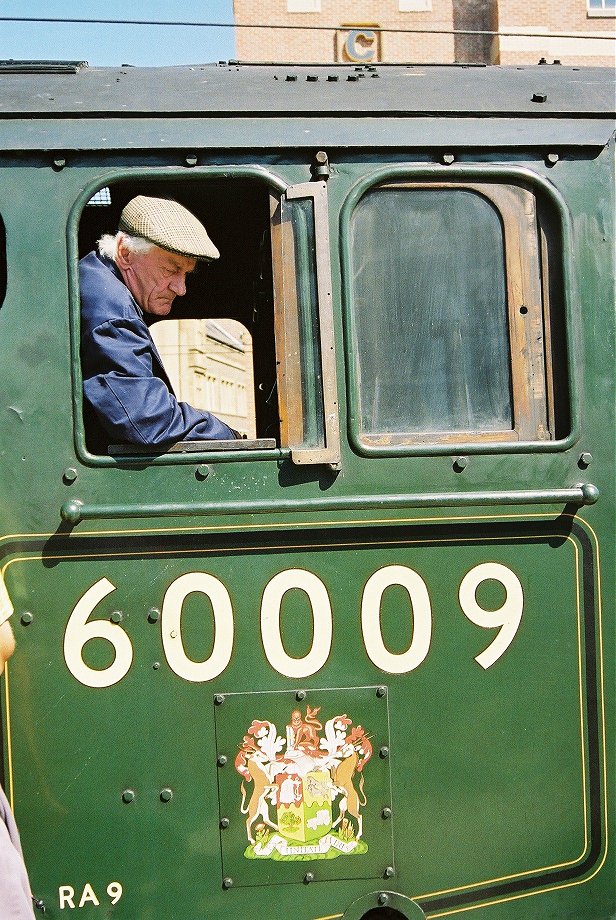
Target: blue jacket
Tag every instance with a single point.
(128, 396)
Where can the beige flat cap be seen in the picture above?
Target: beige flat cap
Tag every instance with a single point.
(169, 225)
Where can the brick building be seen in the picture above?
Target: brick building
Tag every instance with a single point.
(348, 31)
(582, 31)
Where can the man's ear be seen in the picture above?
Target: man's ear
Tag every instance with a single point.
(124, 257)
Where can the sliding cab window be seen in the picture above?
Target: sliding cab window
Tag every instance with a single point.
(251, 341)
(450, 317)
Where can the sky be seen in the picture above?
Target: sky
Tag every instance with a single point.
(110, 45)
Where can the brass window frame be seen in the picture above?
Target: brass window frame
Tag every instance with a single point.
(287, 328)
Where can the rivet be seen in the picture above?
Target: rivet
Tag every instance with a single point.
(166, 795)
(381, 692)
(383, 899)
(448, 159)
(191, 159)
(309, 877)
(117, 616)
(300, 695)
(59, 163)
(173, 634)
(221, 760)
(153, 615)
(26, 618)
(552, 159)
(69, 475)
(384, 753)
(386, 813)
(202, 471)
(585, 460)
(219, 699)
(460, 463)
(128, 795)
(156, 665)
(389, 872)
(224, 823)
(227, 882)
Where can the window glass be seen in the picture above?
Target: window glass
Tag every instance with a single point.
(209, 363)
(429, 307)
(601, 5)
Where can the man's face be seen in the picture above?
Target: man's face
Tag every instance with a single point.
(155, 278)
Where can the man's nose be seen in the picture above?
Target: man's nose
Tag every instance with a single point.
(178, 284)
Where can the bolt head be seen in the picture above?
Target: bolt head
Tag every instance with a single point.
(166, 795)
(221, 760)
(69, 475)
(383, 899)
(26, 618)
(227, 882)
(128, 796)
(386, 813)
(381, 692)
(224, 823)
(300, 695)
(384, 752)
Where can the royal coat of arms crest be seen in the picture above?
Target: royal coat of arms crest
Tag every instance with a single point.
(303, 793)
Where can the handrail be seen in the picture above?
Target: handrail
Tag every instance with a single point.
(74, 510)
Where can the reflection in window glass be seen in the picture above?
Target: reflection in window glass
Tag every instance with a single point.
(430, 312)
(209, 363)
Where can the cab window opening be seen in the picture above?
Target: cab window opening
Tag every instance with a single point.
(218, 342)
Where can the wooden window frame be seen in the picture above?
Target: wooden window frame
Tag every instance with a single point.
(527, 304)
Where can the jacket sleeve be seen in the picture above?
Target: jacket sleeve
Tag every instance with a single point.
(132, 403)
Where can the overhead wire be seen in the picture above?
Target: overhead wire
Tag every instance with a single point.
(307, 28)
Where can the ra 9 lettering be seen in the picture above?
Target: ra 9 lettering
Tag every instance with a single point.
(80, 629)
(69, 898)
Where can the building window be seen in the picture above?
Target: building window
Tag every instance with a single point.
(601, 7)
(448, 328)
(415, 6)
(303, 6)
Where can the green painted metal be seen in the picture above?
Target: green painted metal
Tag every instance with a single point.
(159, 616)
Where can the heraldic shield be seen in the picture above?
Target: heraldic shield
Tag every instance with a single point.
(310, 780)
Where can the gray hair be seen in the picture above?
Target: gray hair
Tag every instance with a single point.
(108, 244)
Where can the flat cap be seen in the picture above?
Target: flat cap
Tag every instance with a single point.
(169, 225)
